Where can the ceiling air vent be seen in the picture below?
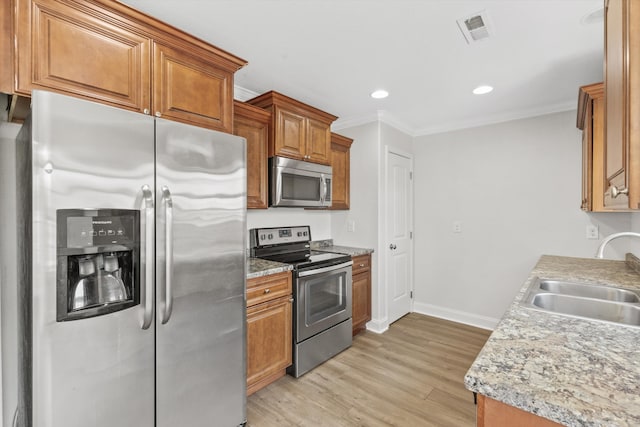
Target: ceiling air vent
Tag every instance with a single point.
(475, 27)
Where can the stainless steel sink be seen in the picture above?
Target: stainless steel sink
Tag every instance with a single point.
(628, 314)
(597, 302)
(589, 291)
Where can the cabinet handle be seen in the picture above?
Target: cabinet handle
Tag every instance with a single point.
(615, 192)
(266, 291)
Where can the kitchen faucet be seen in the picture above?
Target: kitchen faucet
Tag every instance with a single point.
(600, 253)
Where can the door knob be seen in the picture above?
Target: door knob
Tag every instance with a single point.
(392, 246)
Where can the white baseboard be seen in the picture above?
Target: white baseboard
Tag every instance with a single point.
(476, 320)
(378, 326)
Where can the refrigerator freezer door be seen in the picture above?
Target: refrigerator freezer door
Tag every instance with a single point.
(200, 316)
(98, 371)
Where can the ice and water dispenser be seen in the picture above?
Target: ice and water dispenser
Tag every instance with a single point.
(98, 269)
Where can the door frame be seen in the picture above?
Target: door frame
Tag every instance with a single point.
(383, 291)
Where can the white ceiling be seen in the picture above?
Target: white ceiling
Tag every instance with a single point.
(333, 53)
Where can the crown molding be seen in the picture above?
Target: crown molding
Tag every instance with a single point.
(496, 118)
(242, 94)
(380, 116)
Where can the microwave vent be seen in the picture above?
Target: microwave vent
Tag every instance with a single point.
(475, 27)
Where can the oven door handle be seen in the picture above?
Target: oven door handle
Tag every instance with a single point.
(324, 269)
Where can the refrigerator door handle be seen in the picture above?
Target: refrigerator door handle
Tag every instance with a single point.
(146, 287)
(168, 241)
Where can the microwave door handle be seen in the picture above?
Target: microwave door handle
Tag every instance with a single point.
(324, 189)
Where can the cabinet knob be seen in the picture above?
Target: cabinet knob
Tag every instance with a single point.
(361, 265)
(158, 114)
(266, 291)
(146, 111)
(615, 191)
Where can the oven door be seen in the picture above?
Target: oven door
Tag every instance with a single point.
(323, 299)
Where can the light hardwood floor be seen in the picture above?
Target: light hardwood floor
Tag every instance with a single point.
(412, 375)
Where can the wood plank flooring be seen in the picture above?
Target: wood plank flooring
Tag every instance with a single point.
(412, 375)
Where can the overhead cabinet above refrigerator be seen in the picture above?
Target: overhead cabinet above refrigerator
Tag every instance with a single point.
(132, 269)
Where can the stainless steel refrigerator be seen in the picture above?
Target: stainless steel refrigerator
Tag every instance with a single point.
(131, 269)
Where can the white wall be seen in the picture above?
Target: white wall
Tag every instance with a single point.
(364, 194)
(367, 204)
(515, 187)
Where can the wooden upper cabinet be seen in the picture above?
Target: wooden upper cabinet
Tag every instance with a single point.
(189, 89)
(318, 133)
(622, 105)
(76, 52)
(289, 139)
(341, 174)
(252, 123)
(105, 51)
(590, 120)
(298, 131)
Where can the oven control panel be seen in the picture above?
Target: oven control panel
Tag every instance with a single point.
(279, 235)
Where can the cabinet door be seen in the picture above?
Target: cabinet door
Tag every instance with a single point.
(616, 103)
(318, 142)
(289, 134)
(189, 88)
(82, 54)
(252, 123)
(268, 342)
(361, 309)
(340, 163)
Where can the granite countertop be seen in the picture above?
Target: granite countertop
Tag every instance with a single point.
(576, 372)
(328, 246)
(257, 267)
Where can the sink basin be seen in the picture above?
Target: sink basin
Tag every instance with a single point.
(589, 291)
(628, 314)
(586, 300)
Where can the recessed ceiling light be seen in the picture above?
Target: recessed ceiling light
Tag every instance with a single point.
(481, 90)
(379, 94)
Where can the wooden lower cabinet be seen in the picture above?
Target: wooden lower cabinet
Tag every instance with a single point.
(269, 329)
(491, 413)
(361, 293)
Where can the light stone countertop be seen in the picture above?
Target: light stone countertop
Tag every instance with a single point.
(576, 372)
(328, 246)
(257, 267)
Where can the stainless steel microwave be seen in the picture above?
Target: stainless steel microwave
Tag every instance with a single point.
(294, 183)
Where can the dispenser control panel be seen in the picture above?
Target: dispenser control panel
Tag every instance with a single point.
(86, 231)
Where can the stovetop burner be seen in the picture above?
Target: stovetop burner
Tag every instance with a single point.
(291, 245)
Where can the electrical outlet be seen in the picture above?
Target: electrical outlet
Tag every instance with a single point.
(592, 232)
(351, 226)
(457, 227)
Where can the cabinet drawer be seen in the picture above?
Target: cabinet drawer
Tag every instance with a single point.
(361, 263)
(266, 288)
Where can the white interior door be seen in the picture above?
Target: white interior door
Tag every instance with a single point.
(399, 245)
